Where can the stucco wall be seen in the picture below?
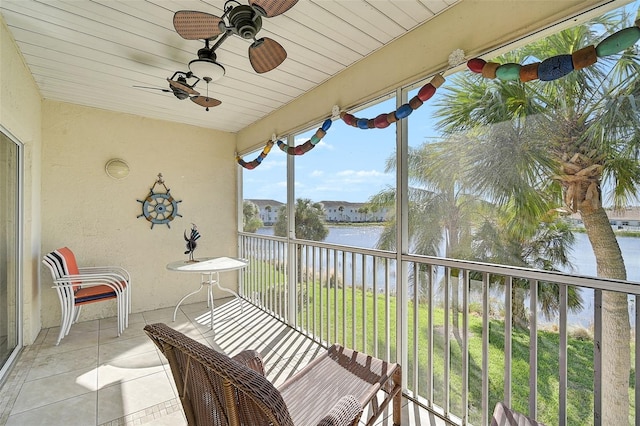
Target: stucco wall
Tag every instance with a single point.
(94, 215)
(20, 114)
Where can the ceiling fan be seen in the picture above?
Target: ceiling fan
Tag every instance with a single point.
(265, 54)
(181, 89)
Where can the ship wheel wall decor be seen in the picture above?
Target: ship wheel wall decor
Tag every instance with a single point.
(159, 208)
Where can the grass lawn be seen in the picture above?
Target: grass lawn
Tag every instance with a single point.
(347, 316)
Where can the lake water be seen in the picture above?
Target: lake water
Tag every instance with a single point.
(582, 257)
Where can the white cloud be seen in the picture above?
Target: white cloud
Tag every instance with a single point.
(299, 141)
(267, 165)
(352, 185)
(325, 145)
(360, 174)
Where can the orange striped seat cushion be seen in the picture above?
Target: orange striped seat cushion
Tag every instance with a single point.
(92, 294)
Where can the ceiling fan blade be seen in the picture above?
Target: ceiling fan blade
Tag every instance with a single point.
(205, 101)
(193, 25)
(182, 86)
(273, 7)
(266, 54)
(153, 88)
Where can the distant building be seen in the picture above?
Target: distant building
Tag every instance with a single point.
(268, 210)
(344, 211)
(334, 211)
(627, 219)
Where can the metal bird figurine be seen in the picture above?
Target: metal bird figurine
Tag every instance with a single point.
(191, 241)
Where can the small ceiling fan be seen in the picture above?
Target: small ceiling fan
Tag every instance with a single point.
(265, 54)
(181, 89)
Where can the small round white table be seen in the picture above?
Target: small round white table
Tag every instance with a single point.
(209, 268)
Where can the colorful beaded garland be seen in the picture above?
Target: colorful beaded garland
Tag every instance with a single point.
(255, 163)
(308, 145)
(405, 110)
(550, 69)
(558, 66)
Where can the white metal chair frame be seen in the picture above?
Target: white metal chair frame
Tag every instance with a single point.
(67, 285)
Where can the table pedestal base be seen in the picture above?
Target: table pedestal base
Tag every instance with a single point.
(209, 283)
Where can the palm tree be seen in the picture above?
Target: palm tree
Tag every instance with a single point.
(309, 225)
(446, 219)
(435, 199)
(251, 221)
(365, 210)
(309, 221)
(547, 248)
(575, 140)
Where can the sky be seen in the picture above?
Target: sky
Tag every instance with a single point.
(347, 165)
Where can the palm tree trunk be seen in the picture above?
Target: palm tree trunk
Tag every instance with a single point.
(519, 316)
(616, 331)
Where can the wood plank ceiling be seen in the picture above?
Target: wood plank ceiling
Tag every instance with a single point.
(92, 52)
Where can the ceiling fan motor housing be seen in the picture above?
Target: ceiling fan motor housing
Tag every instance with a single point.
(180, 94)
(206, 53)
(245, 21)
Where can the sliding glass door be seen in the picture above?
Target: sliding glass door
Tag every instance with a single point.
(10, 243)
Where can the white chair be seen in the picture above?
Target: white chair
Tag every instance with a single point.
(77, 287)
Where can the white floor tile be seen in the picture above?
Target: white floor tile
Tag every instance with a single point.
(94, 377)
(129, 368)
(45, 365)
(48, 390)
(76, 339)
(174, 419)
(76, 411)
(124, 348)
(121, 399)
(109, 334)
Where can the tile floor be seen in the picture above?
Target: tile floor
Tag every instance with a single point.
(96, 378)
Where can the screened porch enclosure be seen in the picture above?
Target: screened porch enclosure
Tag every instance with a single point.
(497, 274)
(449, 323)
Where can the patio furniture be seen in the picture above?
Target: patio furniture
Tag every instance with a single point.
(209, 268)
(504, 416)
(78, 286)
(334, 389)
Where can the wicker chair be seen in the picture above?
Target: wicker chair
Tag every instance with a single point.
(334, 389)
(505, 416)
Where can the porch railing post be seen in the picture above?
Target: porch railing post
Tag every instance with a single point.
(292, 253)
(402, 239)
(597, 358)
(533, 348)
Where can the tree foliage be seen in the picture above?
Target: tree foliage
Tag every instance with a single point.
(570, 144)
(309, 221)
(251, 221)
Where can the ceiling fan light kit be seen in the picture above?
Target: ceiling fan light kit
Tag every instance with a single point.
(243, 20)
(207, 69)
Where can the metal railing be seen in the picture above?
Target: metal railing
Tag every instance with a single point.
(475, 333)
